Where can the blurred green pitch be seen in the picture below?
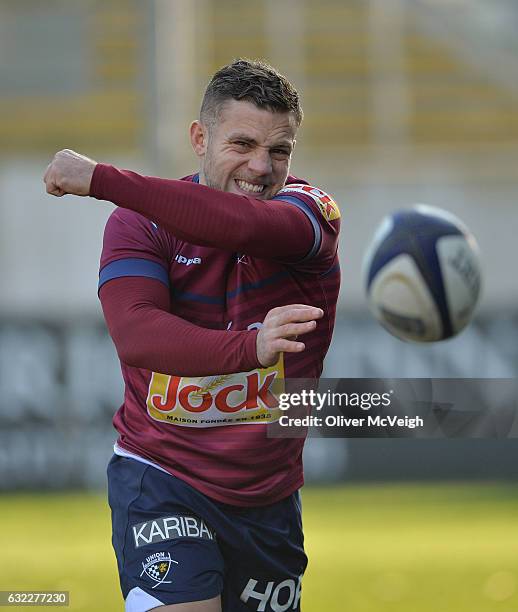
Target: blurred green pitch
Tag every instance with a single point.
(375, 548)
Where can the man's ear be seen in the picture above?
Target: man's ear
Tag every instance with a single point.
(199, 137)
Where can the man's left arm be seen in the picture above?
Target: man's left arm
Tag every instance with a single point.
(271, 229)
(207, 217)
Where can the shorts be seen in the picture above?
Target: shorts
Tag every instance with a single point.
(173, 544)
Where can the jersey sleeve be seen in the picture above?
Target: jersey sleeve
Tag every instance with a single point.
(299, 226)
(324, 215)
(137, 310)
(204, 216)
(146, 335)
(134, 246)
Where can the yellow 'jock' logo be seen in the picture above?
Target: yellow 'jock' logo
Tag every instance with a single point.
(212, 401)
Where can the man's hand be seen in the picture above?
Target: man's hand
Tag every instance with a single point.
(69, 172)
(280, 329)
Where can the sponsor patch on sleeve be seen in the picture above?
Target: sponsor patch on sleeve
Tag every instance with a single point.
(325, 202)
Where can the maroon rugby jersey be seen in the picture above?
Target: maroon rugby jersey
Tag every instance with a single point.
(202, 414)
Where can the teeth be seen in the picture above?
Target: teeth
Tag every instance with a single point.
(250, 187)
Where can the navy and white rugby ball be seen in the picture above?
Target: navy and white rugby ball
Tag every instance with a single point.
(422, 274)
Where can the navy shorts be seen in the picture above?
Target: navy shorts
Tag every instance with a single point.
(173, 544)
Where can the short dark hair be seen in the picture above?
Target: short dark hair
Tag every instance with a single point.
(253, 81)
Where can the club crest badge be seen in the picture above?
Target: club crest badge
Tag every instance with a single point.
(158, 567)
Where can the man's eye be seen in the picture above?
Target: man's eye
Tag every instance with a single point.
(242, 143)
(281, 152)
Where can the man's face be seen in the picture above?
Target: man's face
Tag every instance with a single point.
(246, 151)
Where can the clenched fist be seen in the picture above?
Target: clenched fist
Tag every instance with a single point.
(280, 329)
(69, 172)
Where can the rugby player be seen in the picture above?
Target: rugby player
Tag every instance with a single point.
(212, 287)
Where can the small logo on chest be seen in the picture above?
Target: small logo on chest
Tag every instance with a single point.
(187, 261)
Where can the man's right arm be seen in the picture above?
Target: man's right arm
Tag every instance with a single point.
(147, 336)
(134, 289)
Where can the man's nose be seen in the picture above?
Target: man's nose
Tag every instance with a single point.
(260, 162)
